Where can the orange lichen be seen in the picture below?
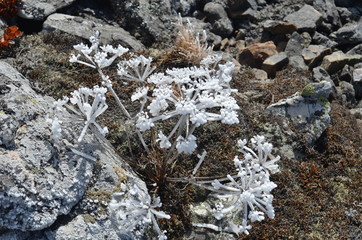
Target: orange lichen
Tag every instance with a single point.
(9, 35)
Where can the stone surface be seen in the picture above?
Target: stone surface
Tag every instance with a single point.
(217, 16)
(279, 27)
(255, 54)
(314, 54)
(320, 74)
(40, 9)
(41, 181)
(357, 82)
(346, 93)
(184, 7)
(329, 11)
(237, 9)
(297, 62)
(336, 61)
(305, 19)
(350, 33)
(356, 50)
(150, 20)
(37, 185)
(321, 39)
(85, 28)
(274, 63)
(307, 110)
(296, 44)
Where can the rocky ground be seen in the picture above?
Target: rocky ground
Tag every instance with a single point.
(299, 81)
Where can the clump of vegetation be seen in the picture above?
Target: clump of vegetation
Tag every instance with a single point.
(187, 98)
(8, 8)
(190, 48)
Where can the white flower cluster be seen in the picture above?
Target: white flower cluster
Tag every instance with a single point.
(83, 107)
(132, 210)
(247, 195)
(188, 94)
(97, 56)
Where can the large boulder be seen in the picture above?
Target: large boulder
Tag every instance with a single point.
(348, 34)
(85, 28)
(308, 110)
(337, 60)
(329, 12)
(314, 54)
(305, 19)
(149, 20)
(39, 9)
(41, 181)
(217, 16)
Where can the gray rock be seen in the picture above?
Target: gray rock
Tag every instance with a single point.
(40, 180)
(296, 44)
(149, 20)
(357, 75)
(357, 112)
(320, 74)
(346, 74)
(37, 184)
(85, 28)
(305, 19)
(243, 9)
(217, 16)
(274, 63)
(346, 93)
(314, 54)
(40, 9)
(320, 39)
(307, 110)
(356, 50)
(345, 15)
(336, 61)
(183, 6)
(329, 11)
(297, 62)
(350, 33)
(357, 82)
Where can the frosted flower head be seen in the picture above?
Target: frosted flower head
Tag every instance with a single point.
(164, 142)
(83, 107)
(135, 69)
(144, 122)
(140, 93)
(186, 145)
(248, 193)
(97, 56)
(133, 209)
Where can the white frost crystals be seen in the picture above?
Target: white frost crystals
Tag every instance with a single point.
(83, 107)
(132, 210)
(194, 95)
(188, 98)
(247, 194)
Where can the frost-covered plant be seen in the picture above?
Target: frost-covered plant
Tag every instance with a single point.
(190, 44)
(132, 211)
(247, 195)
(193, 95)
(189, 97)
(83, 107)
